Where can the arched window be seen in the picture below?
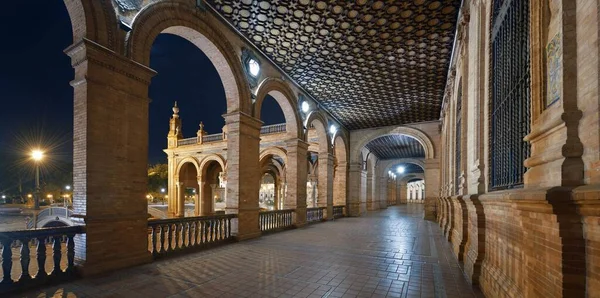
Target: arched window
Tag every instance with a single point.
(457, 167)
(510, 93)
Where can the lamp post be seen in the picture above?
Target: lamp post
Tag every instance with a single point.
(37, 156)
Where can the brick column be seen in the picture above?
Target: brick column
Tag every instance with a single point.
(325, 185)
(243, 173)
(370, 192)
(199, 207)
(383, 191)
(296, 175)
(110, 158)
(432, 185)
(403, 190)
(180, 201)
(355, 189)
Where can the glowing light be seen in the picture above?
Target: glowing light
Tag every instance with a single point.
(148, 196)
(162, 190)
(305, 106)
(332, 129)
(30, 196)
(49, 196)
(400, 170)
(390, 173)
(253, 67)
(37, 155)
(3, 196)
(68, 187)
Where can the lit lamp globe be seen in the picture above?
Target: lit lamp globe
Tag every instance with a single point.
(37, 155)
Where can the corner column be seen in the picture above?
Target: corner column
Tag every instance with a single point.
(110, 143)
(243, 173)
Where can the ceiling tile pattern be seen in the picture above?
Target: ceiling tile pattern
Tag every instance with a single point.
(396, 146)
(369, 63)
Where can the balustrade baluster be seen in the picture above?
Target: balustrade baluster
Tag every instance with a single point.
(153, 240)
(218, 221)
(206, 228)
(41, 258)
(6, 262)
(177, 230)
(57, 255)
(170, 237)
(189, 234)
(25, 258)
(70, 253)
(228, 228)
(212, 231)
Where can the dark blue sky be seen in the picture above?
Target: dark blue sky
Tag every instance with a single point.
(37, 100)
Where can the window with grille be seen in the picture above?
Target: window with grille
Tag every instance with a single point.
(510, 93)
(457, 159)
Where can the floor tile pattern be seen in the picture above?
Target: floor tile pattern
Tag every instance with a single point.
(389, 253)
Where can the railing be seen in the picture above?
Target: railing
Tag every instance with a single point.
(50, 248)
(188, 141)
(275, 128)
(167, 236)
(338, 211)
(276, 220)
(50, 212)
(212, 138)
(315, 214)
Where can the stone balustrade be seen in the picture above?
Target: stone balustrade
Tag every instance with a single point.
(168, 236)
(275, 128)
(315, 214)
(338, 211)
(276, 220)
(212, 138)
(53, 251)
(188, 141)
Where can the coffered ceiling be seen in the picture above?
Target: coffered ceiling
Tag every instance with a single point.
(369, 63)
(396, 146)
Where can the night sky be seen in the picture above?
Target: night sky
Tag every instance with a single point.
(37, 100)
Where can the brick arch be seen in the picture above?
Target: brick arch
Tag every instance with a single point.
(273, 151)
(320, 121)
(417, 134)
(186, 160)
(95, 20)
(183, 20)
(388, 164)
(286, 99)
(210, 158)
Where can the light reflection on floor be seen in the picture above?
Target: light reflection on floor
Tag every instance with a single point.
(389, 253)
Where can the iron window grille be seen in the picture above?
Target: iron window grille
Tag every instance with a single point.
(511, 97)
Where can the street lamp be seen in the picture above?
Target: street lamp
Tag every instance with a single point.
(37, 156)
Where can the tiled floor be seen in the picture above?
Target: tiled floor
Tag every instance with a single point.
(389, 253)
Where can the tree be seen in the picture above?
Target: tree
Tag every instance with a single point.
(158, 176)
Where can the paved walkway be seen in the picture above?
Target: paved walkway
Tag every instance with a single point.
(389, 253)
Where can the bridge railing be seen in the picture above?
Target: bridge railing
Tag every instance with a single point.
(315, 214)
(49, 248)
(338, 211)
(275, 128)
(168, 236)
(50, 212)
(276, 220)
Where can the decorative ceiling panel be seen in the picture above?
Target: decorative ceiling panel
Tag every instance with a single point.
(369, 63)
(396, 146)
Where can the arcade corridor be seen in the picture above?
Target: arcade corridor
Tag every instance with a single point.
(389, 253)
